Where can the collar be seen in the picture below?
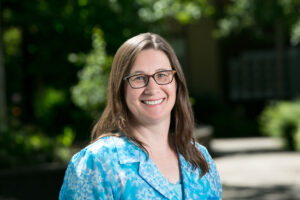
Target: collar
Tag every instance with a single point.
(127, 151)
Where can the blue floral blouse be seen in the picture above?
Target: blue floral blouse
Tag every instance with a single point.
(116, 168)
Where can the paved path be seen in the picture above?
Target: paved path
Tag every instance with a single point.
(257, 168)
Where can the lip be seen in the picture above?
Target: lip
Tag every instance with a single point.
(154, 102)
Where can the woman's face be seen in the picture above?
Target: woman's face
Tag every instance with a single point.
(153, 103)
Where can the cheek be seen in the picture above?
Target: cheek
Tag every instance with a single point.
(173, 89)
(128, 95)
(131, 95)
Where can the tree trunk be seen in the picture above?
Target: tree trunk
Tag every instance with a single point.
(2, 82)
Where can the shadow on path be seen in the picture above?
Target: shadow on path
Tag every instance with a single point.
(279, 192)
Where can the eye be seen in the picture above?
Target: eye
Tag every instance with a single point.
(161, 74)
(138, 78)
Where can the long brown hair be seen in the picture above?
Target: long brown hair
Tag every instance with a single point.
(115, 118)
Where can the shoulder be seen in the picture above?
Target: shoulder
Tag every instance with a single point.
(101, 150)
(202, 149)
(90, 173)
(213, 175)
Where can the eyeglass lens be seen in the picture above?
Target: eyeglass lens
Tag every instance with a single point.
(161, 78)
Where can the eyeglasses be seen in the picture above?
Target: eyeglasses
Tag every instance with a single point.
(141, 80)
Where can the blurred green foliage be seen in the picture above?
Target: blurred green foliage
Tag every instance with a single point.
(260, 18)
(57, 74)
(282, 119)
(26, 146)
(39, 39)
(12, 40)
(183, 11)
(45, 112)
(90, 91)
(46, 100)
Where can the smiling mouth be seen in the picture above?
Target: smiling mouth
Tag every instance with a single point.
(153, 102)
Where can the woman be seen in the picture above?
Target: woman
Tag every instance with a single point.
(142, 146)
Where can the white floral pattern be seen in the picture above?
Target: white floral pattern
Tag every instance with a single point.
(115, 168)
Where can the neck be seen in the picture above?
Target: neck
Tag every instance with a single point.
(154, 136)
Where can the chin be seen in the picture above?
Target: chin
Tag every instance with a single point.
(156, 118)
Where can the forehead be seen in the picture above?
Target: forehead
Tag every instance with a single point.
(150, 60)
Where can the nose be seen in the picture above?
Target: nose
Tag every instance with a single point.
(151, 86)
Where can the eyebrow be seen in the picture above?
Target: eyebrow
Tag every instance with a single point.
(142, 72)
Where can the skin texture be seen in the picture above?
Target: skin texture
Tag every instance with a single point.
(149, 62)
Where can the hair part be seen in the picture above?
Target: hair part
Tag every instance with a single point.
(115, 119)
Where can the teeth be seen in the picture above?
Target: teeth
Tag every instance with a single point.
(153, 102)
